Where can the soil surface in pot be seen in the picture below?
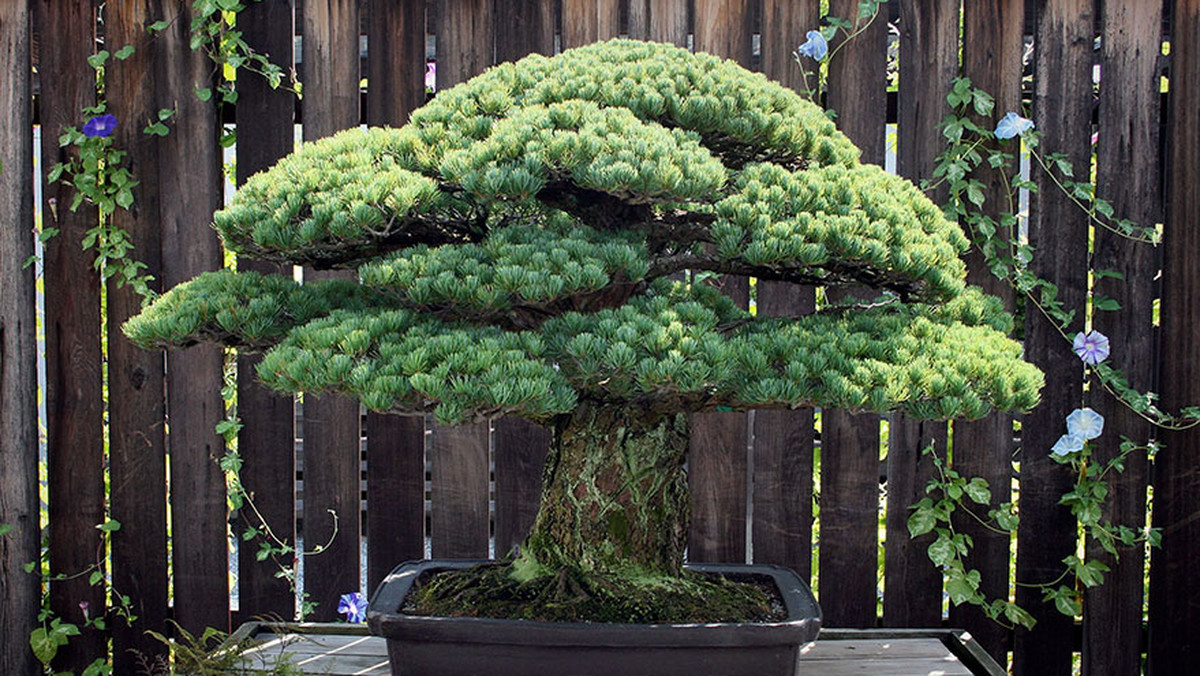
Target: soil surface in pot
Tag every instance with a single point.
(490, 590)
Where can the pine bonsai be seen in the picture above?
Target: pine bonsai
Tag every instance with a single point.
(518, 245)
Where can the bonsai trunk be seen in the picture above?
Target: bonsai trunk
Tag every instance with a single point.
(615, 493)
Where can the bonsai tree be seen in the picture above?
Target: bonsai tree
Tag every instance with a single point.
(519, 244)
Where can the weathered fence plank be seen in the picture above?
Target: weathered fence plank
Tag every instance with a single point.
(19, 591)
(725, 28)
(459, 523)
(850, 443)
(189, 180)
(668, 21)
(331, 422)
(395, 444)
(1174, 589)
(524, 27)
(74, 401)
(717, 452)
(993, 42)
(783, 440)
(928, 63)
(519, 446)
(587, 21)
(1128, 176)
(1058, 235)
(267, 440)
(137, 460)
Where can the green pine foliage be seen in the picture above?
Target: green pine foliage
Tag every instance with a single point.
(513, 241)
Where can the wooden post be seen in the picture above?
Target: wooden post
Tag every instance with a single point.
(190, 183)
(267, 440)
(519, 446)
(332, 453)
(460, 522)
(928, 64)
(783, 440)
(1058, 233)
(588, 21)
(74, 399)
(19, 591)
(992, 52)
(850, 443)
(395, 444)
(136, 413)
(1174, 613)
(668, 21)
(1127, 176)
(718, 450)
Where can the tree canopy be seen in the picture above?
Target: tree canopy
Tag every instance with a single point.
(516, 239)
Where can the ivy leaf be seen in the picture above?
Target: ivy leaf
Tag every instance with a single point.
(124, 52)
(977, 490)
(921, 522)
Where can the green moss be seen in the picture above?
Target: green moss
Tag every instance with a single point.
(567, 595)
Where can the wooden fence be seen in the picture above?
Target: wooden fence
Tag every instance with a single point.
(752, 475)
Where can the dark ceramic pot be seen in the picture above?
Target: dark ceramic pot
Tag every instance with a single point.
(468, 646)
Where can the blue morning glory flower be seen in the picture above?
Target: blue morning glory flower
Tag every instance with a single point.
(816, 48)
(1067, 444)
(1092, 347)
(1085, 423)
(354, 607)
(100, 126)
(1013, 125)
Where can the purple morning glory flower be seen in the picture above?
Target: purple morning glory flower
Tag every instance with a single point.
(1013, 125)
(1092, 347)
(100, 126)
(1067, 444)
(1085, 424)
(816, 48)
(354, 607)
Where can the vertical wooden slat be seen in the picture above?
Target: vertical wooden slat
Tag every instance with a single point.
(992, 49)
(587, 21)
(460, 465)
(717, 453)
(395, 444)
(912, 584)
(190, 183)
(668, 21)
(638, 22)
(19, 591)
(266, 442)
(524, 27)
(331, 423)
(137, 462)
(1174, 612)
(519, 446)
(74, 401)
(928, 64)
(725, 28)
(784, 24)
(783, 440)
(1058, 233)
(1127, 176)
(850, 443)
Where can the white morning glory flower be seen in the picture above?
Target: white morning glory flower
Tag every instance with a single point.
(1085, 423)
(816, 48)
(1067, 444)
(1012, 125)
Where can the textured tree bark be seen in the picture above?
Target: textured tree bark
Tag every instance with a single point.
(615, 493)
